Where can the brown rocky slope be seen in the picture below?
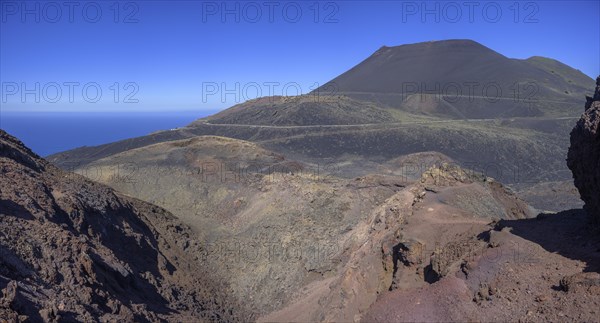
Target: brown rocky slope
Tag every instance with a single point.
(584, 155)
(303, 244)
(75, 250)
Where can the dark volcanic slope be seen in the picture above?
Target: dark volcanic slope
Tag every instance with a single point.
(392, 74)
(72, 249)
(569, 75)
(303, 111)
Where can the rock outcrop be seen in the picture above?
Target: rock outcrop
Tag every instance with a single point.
(584, 155)
(75, 250)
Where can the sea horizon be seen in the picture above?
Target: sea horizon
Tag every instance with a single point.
(50, 132)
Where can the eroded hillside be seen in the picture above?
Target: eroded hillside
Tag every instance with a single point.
(284, 229)
(72, 249)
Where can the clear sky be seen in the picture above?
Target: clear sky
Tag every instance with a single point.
(182, 55)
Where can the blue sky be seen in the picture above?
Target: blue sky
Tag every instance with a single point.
(182, 55)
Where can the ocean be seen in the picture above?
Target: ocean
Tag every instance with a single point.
(48, 133)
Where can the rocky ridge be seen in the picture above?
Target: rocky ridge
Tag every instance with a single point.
(72, 249)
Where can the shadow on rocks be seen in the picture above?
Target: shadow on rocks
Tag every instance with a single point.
(568, 233)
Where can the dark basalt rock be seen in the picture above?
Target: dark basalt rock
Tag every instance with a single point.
(584, 155)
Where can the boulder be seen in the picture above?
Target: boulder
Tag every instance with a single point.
(584, 155)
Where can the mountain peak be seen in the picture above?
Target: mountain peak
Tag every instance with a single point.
(392, 74)
(438, 43)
